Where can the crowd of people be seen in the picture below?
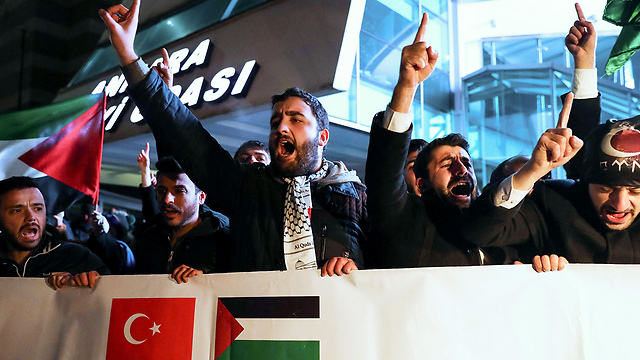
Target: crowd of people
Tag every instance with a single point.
(286, 207)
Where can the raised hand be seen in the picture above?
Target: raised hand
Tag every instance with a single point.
(122, 24)
(417, 63)
(164, 69)
(144, 162)
(581, 41)
(554, 148)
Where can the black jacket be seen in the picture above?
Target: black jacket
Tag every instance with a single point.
(557, 218)
(52, 255)
(252, 196)
(408, 230)
(205, 247)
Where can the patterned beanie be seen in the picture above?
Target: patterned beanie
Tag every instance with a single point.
(612, 153)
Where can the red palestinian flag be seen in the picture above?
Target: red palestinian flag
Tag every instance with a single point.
(60, 145)
(228, 328)
(151, 328)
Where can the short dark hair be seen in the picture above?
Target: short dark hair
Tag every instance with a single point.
(17, 182)
(251, 144)
(421, 165)
(169, 165)
(417, 145)
(316, 107)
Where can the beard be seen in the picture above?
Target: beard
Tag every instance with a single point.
(183, 216)
(305, 162)
(448, 193)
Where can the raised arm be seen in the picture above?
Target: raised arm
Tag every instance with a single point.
(581, 42)
(417, 63)
(122, 24)
(554, 148)
(585, 113)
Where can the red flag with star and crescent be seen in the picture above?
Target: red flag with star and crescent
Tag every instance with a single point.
(156, 328)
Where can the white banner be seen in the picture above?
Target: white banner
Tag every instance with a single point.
(490, 312)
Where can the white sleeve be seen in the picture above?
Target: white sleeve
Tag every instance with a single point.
(395, 121)
(585, 83)
(507, 196)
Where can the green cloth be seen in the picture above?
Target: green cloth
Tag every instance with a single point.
(626, 14)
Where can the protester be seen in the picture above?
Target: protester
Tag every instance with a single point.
(410, 231)
(253, 151)
(31, 248)
(318, 205)
(415, 146)
(185, 239)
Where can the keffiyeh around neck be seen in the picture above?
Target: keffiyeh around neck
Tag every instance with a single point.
(299, 249)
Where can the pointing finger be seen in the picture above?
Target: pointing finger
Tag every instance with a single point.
(422, 29)
(165, 57)
(563, 119)
(580, 13)
(135, 8)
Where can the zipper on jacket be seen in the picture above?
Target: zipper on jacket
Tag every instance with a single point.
(323, 240)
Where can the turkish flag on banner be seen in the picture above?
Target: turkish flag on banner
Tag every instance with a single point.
(151, 328)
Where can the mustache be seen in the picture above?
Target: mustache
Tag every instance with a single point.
(170, 207)
(31, 224)
(609, 208)
(456, 179)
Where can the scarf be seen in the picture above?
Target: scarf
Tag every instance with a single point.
(299, 250)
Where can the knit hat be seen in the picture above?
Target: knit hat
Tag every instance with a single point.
(612, 153)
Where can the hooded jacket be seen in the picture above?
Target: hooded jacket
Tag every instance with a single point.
(52, 255)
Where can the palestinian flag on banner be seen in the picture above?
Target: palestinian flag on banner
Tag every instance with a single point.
(286, 308)
(60, 145)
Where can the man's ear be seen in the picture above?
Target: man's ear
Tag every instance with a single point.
(323, 137)
(201, 197)
(422, 184)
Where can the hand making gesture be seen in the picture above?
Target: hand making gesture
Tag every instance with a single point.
(554, 148)
(581, 42)
(122, 24)
(417, 63)
(144, 162)
(163, 69)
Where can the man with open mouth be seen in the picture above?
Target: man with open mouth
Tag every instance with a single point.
(589, 220)
(299, 212)
(29, 247)
(408, 230)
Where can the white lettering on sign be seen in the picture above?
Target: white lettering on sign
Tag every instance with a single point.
(198, 56)
(192, 94)
(225, 82)
(247, 70)
(114, 85)
(220, 84)
(176, 59)
(115, 113)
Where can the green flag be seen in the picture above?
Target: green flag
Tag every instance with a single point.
(625, 14)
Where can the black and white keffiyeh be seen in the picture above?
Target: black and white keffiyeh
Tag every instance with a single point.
(299, 250)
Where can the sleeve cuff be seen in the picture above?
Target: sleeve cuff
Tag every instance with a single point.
(395, 121)
(585, 83)
(136, 71)
(507, 196)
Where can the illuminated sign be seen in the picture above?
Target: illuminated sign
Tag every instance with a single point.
(226, 82)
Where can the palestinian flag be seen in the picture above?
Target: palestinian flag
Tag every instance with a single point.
(60, 145)
(231, 344)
